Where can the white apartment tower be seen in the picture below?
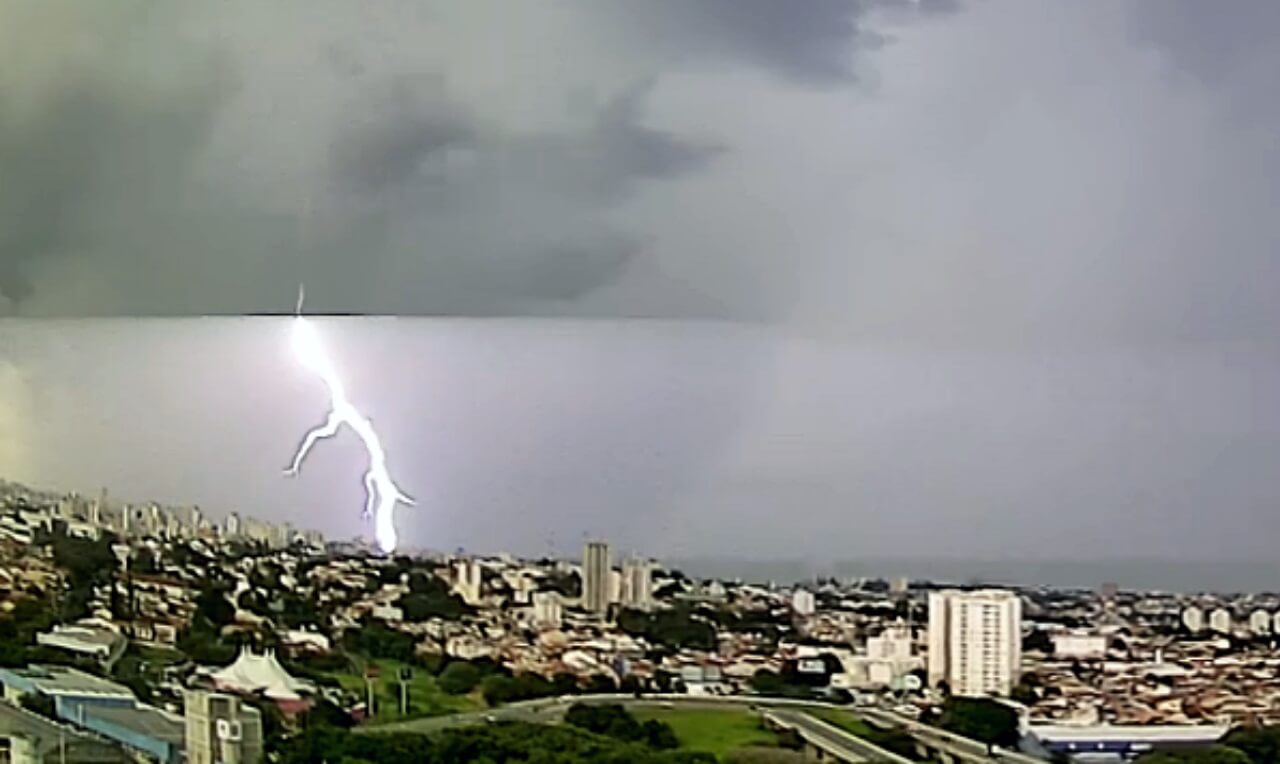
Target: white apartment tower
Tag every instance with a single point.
(546, 609)
(637, 584)
(975, 641)
(231, 526)
(467, 580)
(595, 577)
(803, 603)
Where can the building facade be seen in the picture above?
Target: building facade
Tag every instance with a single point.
(637, 584)
(546, 610)
(221, 730)
(595, 577)
(803, 603)
(975, 641)
(467, 580)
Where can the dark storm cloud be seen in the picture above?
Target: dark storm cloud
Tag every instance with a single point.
(397, 132)
(129, 184)
(715, 159)
(85, 169)
(1211, 41)
(808, 42)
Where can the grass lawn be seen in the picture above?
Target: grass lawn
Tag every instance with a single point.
(425, 696)
(715, 731)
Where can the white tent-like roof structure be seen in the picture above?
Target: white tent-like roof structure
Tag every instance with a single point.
(252, 673)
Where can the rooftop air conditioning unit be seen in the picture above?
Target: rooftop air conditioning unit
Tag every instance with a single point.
(228, 730)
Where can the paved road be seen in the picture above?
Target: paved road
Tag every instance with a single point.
(843, 745)
(535, 712)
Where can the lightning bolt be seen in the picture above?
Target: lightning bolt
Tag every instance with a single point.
(381, 492)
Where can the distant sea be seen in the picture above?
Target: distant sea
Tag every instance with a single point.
(1195, 576)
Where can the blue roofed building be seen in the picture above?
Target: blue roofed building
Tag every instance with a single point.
(140, 728)
(1115, 742)
(28, 737)
(64, 685)
(101, 706)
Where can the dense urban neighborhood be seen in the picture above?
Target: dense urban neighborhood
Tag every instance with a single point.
(156, 633)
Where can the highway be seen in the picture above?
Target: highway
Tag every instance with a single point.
(958, 746)
(841, 744)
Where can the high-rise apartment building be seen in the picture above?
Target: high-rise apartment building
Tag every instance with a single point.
(975, 641)
(894, 643)
(595, 577)
(637, 584)
(220, 729)
(468, 578)
(1220, 621)
(803, 603)
(546, 609)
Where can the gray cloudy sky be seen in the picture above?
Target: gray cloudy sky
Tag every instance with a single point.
(1004, 270)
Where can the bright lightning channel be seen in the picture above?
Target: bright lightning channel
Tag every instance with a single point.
(381, 492)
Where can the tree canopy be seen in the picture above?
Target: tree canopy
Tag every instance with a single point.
(501, 742)
(616, 722)
(983, 719)
(1260, 744)
(1215, 754)
(676, 629)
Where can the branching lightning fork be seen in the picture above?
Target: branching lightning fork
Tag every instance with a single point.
(381, 493)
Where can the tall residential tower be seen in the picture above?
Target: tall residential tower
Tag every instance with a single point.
(975, 641)
(595, 577)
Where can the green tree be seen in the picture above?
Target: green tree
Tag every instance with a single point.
(611, 719)
(600, 684)
(1024, 693)
(1260, 744)
(983, 719)
(460, 677)
(678, 628)
(213, 607)
(772, 684)
(498, 689)
(375, 640)
(204, 647)
(502, 742)
(567, 583)
(1038, 641)
(143, 562)
(1214, 754)
(659, 735)
(565, 683)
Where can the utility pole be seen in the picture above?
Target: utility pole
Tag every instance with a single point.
(406, 674)
(370, 674)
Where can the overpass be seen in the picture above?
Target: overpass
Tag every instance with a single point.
(836, 743)
(827, 742)
(947, 746)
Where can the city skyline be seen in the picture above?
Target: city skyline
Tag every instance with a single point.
(662, 437)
